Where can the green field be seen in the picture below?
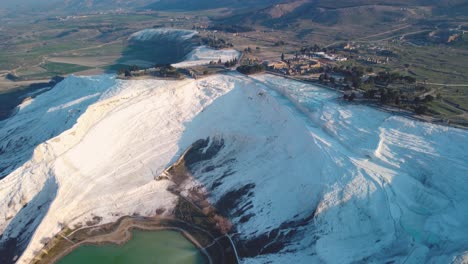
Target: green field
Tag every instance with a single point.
(27, 49)
(443, 109)
(57, 68)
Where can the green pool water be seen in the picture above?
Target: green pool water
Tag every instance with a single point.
(165, 247)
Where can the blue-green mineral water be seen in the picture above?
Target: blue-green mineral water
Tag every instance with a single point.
(165, 247)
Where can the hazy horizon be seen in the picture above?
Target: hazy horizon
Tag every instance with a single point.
(25, 3)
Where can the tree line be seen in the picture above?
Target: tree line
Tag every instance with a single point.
(251, 69)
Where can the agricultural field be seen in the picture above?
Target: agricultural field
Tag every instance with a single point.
(90, 44)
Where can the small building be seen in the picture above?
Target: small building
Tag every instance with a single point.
(315, 64)
(350, 46)
(276, 65)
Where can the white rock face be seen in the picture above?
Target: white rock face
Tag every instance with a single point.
(171, 34)
(200, 55)
(338, 183)
(105, 164)
(204, 55)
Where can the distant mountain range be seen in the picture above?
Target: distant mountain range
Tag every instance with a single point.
(326, 4)
(267, 12)
(80, 6)
(209, 4)
(347, 15)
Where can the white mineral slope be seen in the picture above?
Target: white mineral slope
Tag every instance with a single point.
(380, 188)
(40, 119)
(171, 34)
(395, 188)
(203, 55)
(106, 163)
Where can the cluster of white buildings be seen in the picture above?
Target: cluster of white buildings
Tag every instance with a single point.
(324, 55)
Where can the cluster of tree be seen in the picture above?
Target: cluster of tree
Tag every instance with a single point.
(370, 94)
(249, 49)
(162, 70)
(215, 42)
(421, 88)
(228, 63)
(386, 78)
(230, 28)
(385, 95)
(349, 97)
(216, 62)
(396, 97)
(326, 77)
(127, 71)
(312, 48)
(12, 77)
(280, 43)
(320, 70)
(420, 109)
(231, 63)
(353, 75)
(428, 98)
(251, 69)
(167, 71)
